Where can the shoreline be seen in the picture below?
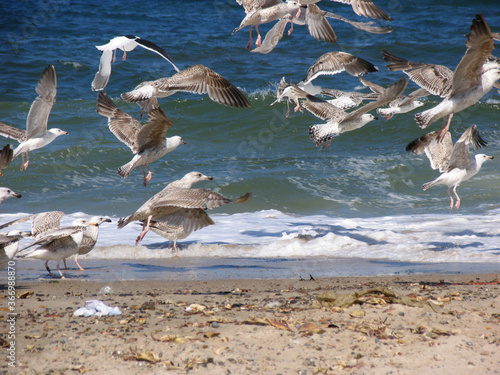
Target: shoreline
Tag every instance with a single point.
(408, 324)
(221, 268)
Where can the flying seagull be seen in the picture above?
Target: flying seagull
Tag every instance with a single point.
(36, 134)
(177, 195)
(126, 43)
(455, 162)
(148, 142)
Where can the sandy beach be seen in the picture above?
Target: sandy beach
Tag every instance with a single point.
(419, 324)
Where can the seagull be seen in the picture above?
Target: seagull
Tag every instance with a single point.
(9, 244)
(36, 134)
(89, 236)
(147, 142)
(197, 79)
(402, 104)
(264, 11)
(348, 99)
(336, 62)
(8, 193)
(318, 27)
(455, 162)
(177, 194)
(180, 223)
(125, 43)
(474, 76)
(6, 155)
(339, 121)
(53, 242)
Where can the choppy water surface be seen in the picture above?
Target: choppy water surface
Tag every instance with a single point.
(361, 197)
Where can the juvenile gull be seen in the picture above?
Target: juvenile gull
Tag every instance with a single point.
(348, 99)
(318, 27)
(53, 242)
(336, 62)
(180, 224)
(148, 142)
(339, 121)
(474, 77)
(402, 104)
(177, 195)
(5, 193)
(36, 134)
(126, 43)
(455, 162)
(6, 155)
(197, 79)
(259, 12)
(89, 236)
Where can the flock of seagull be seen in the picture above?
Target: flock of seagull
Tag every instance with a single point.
(179, 208)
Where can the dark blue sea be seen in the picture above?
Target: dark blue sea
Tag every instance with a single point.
(360, 198)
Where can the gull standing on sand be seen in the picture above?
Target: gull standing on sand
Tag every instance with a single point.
(53, 242)
(474, 77)
(89, 236)
(126, 43)
(36, 134)
(339, 121)
(178, 195)
(5, 193)
(455, 162)
(148, 142)
(197, 79)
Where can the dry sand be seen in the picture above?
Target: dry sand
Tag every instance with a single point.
(405, 325)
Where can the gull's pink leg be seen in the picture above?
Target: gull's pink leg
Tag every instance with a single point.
(144, 181)
(250, 39)
(114, 55)
(124, 54)
(78, 264)
(287, 107)
(298, 13)
(24, 166)
(175, 247)
(457, 205)
(451, 200)
(65, 265)
(297, 107)
(444, 129)
(145, 230)
(325, 145)
(291, 27)
(62, 276)
(148, 177)
(259, 38)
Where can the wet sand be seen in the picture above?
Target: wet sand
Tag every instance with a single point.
(411, 324)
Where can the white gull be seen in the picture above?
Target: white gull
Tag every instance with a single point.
(36, 134)
(126, 43)
(455, 162)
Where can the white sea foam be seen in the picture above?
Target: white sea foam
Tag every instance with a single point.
(272, 234)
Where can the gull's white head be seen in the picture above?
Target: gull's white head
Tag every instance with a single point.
(57, 132)
(481, 158)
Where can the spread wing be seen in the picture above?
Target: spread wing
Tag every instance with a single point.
(153, 133)
(38, 116)
(122, 125)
